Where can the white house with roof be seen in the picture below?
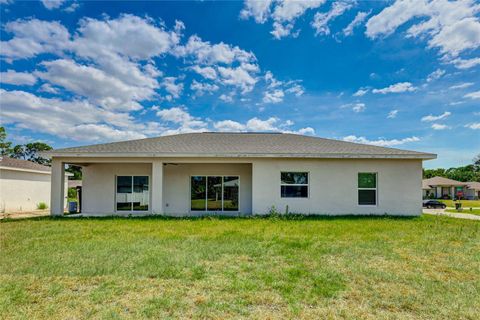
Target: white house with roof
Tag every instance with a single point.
(441, 187)
(241, 174)
(24, 184)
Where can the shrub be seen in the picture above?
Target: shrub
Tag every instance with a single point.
(72, 193)
(42, 206)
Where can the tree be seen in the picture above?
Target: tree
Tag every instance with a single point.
(76, 170)
(5, 146)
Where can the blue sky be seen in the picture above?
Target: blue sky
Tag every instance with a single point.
(403, 74)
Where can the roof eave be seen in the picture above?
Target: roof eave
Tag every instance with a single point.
(421, 156)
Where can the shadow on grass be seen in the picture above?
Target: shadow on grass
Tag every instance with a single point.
(282, 217)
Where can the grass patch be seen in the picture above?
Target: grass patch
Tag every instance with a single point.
(465, 203)
(378, 267)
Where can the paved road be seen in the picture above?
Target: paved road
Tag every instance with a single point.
(441, 212)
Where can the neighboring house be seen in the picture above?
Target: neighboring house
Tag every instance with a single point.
(440, 187)
(241, 174)
(23, 185)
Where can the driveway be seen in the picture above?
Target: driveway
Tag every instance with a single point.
(441, 212)
(25, 214)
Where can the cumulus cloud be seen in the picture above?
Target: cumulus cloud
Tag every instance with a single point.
(465, 63)
(17, 78)
(357, 21)
(437, 74)
(356, 107)
(321, 20)
(52, 4)
(201, 88)
(431, 118)
(274, 96)
(283, 13)
(396, 88)
(452, 27)
(360, 92)
(473, 95)
(381, 142)
(271, 124)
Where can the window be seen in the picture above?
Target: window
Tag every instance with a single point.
(214, 193)
(132, 193)
(367, 189)
(294, 184)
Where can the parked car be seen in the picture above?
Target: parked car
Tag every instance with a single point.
(434, 204)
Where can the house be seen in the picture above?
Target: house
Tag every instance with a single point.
(241, 174)
(23, 185)
(441, 188)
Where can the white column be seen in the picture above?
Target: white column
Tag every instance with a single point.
(157, 187)
(57, 192)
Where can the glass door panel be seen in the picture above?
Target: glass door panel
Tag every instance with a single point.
(140, 193)
(214, 193)
(198, 193)
(230, 193)
(124, 193)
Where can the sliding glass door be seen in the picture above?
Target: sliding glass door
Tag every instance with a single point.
(132, 193)
(214, 193)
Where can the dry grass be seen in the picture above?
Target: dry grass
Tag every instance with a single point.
(368, 268)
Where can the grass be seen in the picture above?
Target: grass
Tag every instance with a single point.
(465, 203)
(465, 210)
(112, 268)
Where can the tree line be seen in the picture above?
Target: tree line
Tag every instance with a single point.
(466, 173)
(30, 151)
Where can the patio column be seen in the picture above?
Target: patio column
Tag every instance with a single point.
(157, 187)
(57, 192)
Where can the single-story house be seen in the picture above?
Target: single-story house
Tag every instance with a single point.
(23, 185)
(441, 187)
(241, 174)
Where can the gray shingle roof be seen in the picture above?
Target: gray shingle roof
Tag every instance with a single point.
(441, 181)
(22, 164)
(211, 144)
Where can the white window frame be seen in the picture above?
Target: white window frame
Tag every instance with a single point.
(295, 184)
(149, 193)
(206, 192)
(376, 190)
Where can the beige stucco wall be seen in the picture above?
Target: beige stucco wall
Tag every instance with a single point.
(333, 186)
(23, 191)
(98, 185)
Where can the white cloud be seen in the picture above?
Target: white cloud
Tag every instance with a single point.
(226, 97)
(283, 13)
(392, 114)
(206, 72)
(52, 4)
(17, 78)
(307, 131)
(229, 126)
(296, 89)
(238, 77)
(201, 88)
(321, 20)
(185, 121)
(462, 85)
(76, 119)
(358, 20)
(465, 63)
(356, 107)
(450, 26)
(257, 125)
(360, 92)
(71, 8)
(46, 87)
(173, 88)
(438, 126)
(274, 96)
(431, 118)
(473, 126)
(396, 88)
(381, 142)
(96, 85)
(473, 95)
(437, 74)
(259, 10)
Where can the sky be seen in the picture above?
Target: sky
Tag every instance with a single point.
(402, 74)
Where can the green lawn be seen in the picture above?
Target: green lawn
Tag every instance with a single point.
(369, 268)
(465, 203)
(465, 210)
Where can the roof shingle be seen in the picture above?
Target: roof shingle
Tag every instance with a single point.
(22, 164)
(240, 144)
